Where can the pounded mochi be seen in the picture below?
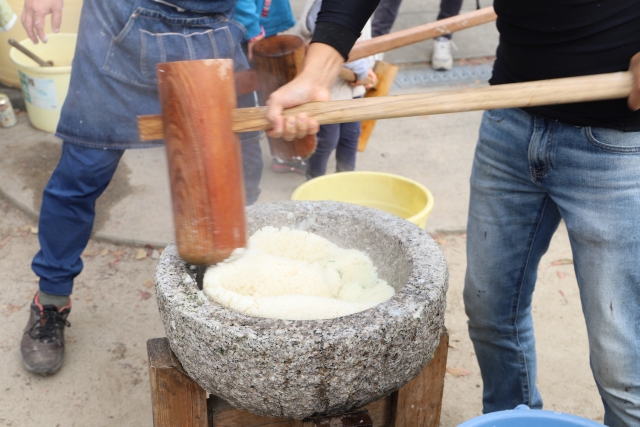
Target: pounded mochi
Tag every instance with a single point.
(295, 275)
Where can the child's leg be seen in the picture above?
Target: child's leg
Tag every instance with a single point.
(327, 141)
(347, 146)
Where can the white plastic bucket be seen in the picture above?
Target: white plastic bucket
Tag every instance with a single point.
(45, 88)
(70, 23)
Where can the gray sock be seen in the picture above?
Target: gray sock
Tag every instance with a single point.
(57, 300)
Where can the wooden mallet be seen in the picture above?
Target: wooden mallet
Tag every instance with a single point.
(199, 122)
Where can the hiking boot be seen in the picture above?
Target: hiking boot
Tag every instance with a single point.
(441, 59)
(42, 346)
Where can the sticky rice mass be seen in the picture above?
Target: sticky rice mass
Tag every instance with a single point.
(295, 275)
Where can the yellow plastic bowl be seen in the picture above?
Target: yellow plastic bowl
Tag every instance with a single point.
(395, 194)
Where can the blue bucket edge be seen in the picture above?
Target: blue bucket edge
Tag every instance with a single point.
(522, 413)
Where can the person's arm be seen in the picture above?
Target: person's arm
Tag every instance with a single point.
(337, 29)
(246, 13)
(360, 67)
(34, 14)
(634, 98)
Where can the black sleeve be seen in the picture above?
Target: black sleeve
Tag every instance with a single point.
(340, 22)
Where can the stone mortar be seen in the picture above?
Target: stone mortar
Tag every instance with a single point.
(300, 368)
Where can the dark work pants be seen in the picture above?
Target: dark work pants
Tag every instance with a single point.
(387, 10)
(68, 208)
(341, 137)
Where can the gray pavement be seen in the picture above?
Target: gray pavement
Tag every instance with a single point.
(136, 208)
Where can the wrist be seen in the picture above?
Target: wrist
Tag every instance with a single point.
(259, 36)
(321, 65)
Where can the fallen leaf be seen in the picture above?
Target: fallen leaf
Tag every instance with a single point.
(105, 252)
(148, 283)
(453, 346)
(141, 254)
(564, 261)
(114, 262)
(458, 371)
(566, 301)
(33, 230)
(117, 253)
(9, 309)
(4, 241)
(145, 295)
(155, 254)
(90, 253)
(561, 274)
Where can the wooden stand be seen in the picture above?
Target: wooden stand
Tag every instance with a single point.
(177, 400)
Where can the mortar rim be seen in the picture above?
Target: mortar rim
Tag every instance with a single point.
(421, 244)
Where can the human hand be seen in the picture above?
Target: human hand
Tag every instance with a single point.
(321, 67)
(368, 82)
(251, 43)
(634, 98)
(298, 91)
(33, 17)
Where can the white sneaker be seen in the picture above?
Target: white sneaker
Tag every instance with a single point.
(441, 59)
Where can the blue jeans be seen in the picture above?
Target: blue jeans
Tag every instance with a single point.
(68, 208)
(528, 174)
(342, 137)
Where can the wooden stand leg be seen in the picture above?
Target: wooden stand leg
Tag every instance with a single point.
(175, 398)
(179, 401)
(419, 402)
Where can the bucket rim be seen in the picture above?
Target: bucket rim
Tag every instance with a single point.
(518, 414)
(36, 68)
(425, 211)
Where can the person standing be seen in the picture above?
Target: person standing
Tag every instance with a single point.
(533, 168)
(262, 19)
(112, 81)
(441, 57)
(340, 137)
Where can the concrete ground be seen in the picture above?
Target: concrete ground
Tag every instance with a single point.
(104, 381)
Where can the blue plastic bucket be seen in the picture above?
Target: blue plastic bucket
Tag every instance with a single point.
(522, 416)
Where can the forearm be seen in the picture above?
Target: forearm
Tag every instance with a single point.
(322, 65)
(339, 23)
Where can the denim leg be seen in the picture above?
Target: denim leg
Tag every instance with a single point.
(511, 221)
(529, 172)
(252, 163)
(328, 137)
(68, 211)
(252, 167)
(347, 148)
(384, 17)
(596, 184)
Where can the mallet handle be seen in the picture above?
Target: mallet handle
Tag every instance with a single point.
(419, 33)
(515, 95)
(544, 92)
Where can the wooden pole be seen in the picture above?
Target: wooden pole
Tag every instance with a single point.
(386, 74)
(515, 95)
(205, 160)
(421, 32)
(278, 60)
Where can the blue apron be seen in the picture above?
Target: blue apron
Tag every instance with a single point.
(113, 77)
